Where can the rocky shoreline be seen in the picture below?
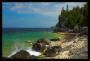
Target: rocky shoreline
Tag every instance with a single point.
(71, 46)
(77, 49)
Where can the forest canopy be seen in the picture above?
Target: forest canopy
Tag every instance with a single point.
(76, 16)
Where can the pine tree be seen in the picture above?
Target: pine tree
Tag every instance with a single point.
(76, 16)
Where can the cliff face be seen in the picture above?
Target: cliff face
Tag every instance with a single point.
(72, 20)
(60, 26)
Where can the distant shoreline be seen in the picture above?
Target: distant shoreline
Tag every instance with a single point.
(27, 29)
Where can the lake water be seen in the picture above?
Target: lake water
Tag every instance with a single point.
(13, 39)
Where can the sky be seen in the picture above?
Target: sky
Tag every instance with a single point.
(33, 14)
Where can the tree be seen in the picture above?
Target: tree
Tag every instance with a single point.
(76, 16)
(67, 7)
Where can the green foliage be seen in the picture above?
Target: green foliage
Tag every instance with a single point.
(76, 16)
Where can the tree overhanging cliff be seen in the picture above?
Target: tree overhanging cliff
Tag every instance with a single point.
(69, 19)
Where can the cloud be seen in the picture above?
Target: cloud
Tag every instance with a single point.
(74, 4)
(42, 8)
(46, 12)
(18, 6)
(45, 4)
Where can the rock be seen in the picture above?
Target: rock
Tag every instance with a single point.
(4, 58)
(36, 46)
(79, 53)
(52, 51)
(70, 31)
(64, 55)
(57, 48)
(84, 31)
(55, 39)
(76, 28)
(67, 44)
(40, 45)
(22, 54)
(44, 41)
(69, 37)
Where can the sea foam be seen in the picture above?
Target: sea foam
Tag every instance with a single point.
(29, 50)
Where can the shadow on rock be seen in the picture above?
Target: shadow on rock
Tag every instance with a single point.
(40, 45)
(52, 51)
(55, 39)
(22, 54)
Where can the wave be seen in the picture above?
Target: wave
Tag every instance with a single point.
(29, 50)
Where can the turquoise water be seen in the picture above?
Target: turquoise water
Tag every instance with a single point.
(13, 40)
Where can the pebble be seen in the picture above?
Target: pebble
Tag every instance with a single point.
(77, 48)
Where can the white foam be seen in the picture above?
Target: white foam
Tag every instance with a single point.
(13, 53)
(29, 50)
(32, 52)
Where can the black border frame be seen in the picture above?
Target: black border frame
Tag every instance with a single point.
(39, 1)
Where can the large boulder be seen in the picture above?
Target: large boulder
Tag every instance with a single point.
(76, 29)
(40, 45)
(84, 31)
(52, 51)
(4, 58)
(44, 41)
(22, 54)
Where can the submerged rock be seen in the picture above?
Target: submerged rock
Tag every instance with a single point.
(55, 39)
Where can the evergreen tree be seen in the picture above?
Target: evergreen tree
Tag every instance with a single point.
(76, 16)
(67, 7)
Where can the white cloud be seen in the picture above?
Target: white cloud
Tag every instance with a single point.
(74, 4)
(45, 4)
(20, 6)
(43, 8)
